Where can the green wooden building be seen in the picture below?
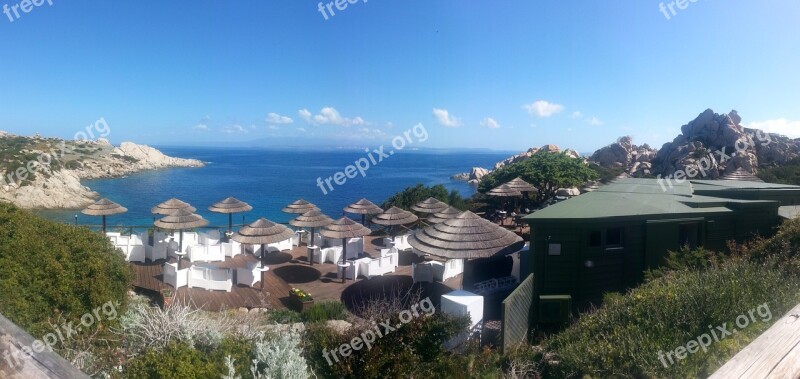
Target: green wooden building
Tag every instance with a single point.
(603, 241)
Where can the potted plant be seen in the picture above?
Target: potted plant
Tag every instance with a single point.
(168, 296)
(301, 299)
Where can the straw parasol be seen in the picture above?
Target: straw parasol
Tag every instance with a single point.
(445, 214)
(299, 207)
(395, 216)
(466, 236)
(504, 190)
(230, 206)
(521, 185)
(344, 228)
(312, 219)
(262, 232)
(168, 207)
(179, 220)
(363, 207)
(104, 207)
(430, 206)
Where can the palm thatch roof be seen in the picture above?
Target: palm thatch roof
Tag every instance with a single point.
(430, 205)
(504, 190)
(181, 219)
(443, 215)
(742, 175)
(170, 206)
(395, 216)
(363, 207)
(262, 232)
(521, 185)
(311, 219)
(299, 207)
(344, 228)
(466, 236)
(104, 207)
(230, 205)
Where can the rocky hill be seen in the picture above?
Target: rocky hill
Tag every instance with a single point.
(46, 173)
(708, 147)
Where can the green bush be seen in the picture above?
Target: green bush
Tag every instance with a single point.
(284, 316)
(324, 311)
(177, 361)
(625, 336)
(51, 271)
(409, 351)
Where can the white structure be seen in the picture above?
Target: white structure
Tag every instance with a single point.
(249, 275)
(210, 278)
(462, 303)
(174, 277)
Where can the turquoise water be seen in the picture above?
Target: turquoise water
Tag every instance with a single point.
(270, 179)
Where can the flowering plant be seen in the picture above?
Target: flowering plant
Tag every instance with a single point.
(300, 294)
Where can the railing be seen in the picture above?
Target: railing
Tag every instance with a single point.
(19, 357)
(774, 354)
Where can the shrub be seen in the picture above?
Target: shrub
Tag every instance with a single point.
(324, 311)
(177, 361)
(51, 271)
(279, 357)
(625, 336)
(284, 316)
(413, 195)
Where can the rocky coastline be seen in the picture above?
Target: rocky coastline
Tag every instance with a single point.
(50, 175)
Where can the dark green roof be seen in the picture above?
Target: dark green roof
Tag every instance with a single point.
(637, 198)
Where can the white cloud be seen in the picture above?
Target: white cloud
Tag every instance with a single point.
(576, 115)
(542, 108)
(533, 125)
(779, 126)
(274, 127)
(231, 129)
(303, 130)
(445, 119)
(595, 121)
(276, 119)
(201, 127)
(490, 123)
(328, 116)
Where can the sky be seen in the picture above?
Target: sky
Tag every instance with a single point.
(503, 75)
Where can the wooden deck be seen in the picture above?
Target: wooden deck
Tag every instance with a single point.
(290, 269)
(774, 354)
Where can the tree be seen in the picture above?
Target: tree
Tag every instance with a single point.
(412, 195)
(544, 170)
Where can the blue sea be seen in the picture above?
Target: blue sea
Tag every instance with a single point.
(270, 179)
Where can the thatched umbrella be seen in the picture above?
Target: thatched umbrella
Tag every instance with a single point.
(430, 206)
(344, 228)
(168, 207)
(466, 236)
(363, 207)
(104, 207)
(395, 216)
(262, 232)
(521, 186)
(299, 207)
(504, 190)
(179, 220)
(445, 214)
(230, 206)
(312, 219)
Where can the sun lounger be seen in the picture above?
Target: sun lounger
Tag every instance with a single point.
(213, 279)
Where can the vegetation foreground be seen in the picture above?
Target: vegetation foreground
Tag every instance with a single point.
(626, 337)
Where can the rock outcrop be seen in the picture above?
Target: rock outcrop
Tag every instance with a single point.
(624, 154)
(714, 144)
(52, 179)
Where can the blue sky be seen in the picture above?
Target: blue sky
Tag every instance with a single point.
(480, 74)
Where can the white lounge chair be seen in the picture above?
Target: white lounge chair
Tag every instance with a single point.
(332, 254)
(437, 269)
(371, 268)
(213, 279)
(232, 248)
(249, 275)
(206, 253)
(421, 272)
(387, 264)
(211, 237)
(174, 277)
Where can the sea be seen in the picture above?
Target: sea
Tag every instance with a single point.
(270, 179)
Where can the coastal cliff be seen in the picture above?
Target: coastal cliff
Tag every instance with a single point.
(46, 173)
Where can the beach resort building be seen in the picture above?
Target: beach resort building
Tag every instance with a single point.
(605, 240)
